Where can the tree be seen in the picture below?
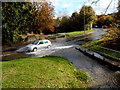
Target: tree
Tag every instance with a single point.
(105, 20)
(45, 14)
(63, 27)
(74, 14)
(17, 18)
(100, 21)
(109, 20)
(113, 33)
(87, 17)
(76, 21)
(118, 15)
(56, 25)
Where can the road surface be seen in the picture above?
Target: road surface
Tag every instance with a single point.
(101, 75)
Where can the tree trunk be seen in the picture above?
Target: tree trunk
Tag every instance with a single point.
(41, 32)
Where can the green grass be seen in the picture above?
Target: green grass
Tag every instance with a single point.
(106, 52)
(46, 72)
(76, 32)
(97, 48)
(96, 42)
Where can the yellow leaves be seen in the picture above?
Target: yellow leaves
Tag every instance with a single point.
(113, 33)
(45, 17)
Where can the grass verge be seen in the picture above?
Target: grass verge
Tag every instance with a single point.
(46, 72)
(76, 32)
(96, 46)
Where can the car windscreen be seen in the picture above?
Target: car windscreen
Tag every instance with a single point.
(35, 42)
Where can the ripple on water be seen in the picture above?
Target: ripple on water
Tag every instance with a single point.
(108, 81)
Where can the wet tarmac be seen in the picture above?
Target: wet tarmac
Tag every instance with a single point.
(102, 76)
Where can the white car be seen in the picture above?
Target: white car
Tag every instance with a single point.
(37, 44)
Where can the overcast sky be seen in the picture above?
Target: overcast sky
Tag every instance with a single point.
(69, 6)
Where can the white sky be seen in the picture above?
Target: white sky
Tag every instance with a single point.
(69, 6)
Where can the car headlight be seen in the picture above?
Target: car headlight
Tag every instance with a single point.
(28, 48)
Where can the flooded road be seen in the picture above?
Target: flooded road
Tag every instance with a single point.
(102, 76)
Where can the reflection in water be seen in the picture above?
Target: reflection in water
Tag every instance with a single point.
(14, 55)
(115, 79)
(106, 81)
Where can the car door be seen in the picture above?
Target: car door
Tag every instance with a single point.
(46, 43)
(41, 44)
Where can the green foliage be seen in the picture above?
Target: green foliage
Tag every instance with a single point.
(64, 24)
(17, 18)
(78, 21)
(46, 72)
(25, 17)
(88, 14)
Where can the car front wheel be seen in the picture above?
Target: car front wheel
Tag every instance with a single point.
(34, 49)
(48, 46)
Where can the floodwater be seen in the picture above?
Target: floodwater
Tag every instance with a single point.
(102, 76)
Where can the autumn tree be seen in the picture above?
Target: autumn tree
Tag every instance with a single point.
(45, 14)
(113, 33)
(105, 20)
(118, 21)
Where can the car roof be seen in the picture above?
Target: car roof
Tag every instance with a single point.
(43, 40)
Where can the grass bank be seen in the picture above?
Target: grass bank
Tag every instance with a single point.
(97, 46)
(77, 32)
(46, 72)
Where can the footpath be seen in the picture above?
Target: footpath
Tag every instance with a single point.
(113, 64)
